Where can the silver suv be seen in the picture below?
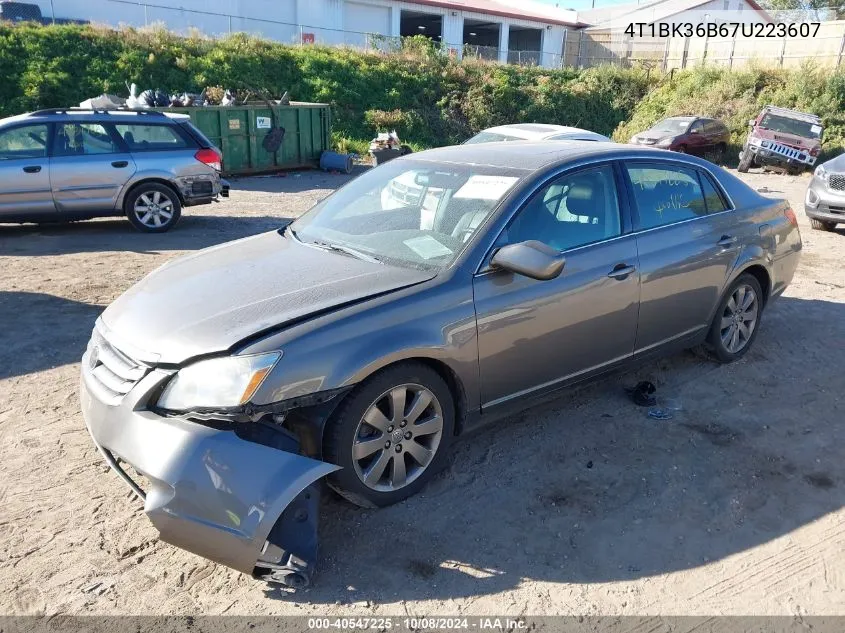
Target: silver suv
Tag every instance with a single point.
(78, 164)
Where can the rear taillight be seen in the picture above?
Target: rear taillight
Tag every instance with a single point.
(815, 151)
(210, 157)
(790, 215)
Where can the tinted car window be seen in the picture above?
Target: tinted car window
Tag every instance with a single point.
(574, 210)
(698, 126)
(712, 197)
(83, 139)
(665, 194)
(140, 138)
(29, 141)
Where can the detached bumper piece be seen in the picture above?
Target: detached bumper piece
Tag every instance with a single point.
(249, 503)
(290, 552)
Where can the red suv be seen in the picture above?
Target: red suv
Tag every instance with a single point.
(686, 134)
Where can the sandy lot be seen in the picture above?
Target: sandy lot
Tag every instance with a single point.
(582, 506)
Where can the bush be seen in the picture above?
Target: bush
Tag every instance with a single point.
(735, 96)
(429, 98)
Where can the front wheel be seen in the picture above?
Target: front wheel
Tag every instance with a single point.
(821, 225)
(152, 207)
(390, 435)
(737, 320)
(745, 160)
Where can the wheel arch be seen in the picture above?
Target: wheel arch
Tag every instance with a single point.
(759, 272)
(146, 180)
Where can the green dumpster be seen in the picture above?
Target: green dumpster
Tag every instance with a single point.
(239, 130)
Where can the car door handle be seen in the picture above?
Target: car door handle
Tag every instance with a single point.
(120, 163)
(621, 271)
(32, 169)
(727, 241)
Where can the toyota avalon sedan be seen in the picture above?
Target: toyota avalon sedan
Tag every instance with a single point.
(359, 341)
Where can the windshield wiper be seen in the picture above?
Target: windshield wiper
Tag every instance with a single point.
(347, 250)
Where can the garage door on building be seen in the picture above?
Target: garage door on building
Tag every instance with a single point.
(360, 19)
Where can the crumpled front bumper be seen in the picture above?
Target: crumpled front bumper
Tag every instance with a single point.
(207, 490)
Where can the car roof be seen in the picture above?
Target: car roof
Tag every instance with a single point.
(532, 156)
(98, 116)
(538, 131)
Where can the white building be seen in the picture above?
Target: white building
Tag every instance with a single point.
(507, 30)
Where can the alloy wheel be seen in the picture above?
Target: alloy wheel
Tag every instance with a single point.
(739, 319)
(154, 209)
(397, 438)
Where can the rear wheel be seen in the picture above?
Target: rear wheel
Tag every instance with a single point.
(737, 320)
(821, 225)
(152, 207)
(390, 435)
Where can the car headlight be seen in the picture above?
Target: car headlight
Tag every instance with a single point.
(765, 144)
(665, 142)
(820, 172)
(217, 382)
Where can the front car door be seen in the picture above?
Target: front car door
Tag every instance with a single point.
(696, 138)
(25, 170)
(534, 336)
(89, 166)
(688, 240)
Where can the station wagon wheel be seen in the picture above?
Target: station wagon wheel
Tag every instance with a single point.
(390, 435)
(152, 207)
(737, 319)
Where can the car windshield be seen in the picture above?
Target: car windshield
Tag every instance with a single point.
(409, 213)
(491, 137)
(787, 125)
(672, 126)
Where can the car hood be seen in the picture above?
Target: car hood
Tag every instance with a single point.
(798, 142)
(836, 165)
(211, 300)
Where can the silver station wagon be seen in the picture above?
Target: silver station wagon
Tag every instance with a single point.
(359, 341)
(62, 165)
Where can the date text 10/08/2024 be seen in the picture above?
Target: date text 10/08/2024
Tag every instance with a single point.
(723, 29)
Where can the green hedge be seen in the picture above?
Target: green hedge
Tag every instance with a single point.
(735, 96)
(428, 98)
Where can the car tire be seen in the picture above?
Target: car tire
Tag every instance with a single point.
(152, 207)
(729, 338)
(371, 474)
(821, 225)
(745, 160)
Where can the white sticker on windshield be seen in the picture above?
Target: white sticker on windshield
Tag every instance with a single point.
(815, 129)
(427, 247)
(485, 187)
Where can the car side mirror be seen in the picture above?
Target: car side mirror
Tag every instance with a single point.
(751, 122)
(695, 131)
(532, 259)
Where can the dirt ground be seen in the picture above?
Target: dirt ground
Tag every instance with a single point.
(582, 506)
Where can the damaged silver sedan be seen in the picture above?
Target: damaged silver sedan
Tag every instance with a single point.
(357, 342)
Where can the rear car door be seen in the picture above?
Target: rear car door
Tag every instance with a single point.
(536, 335)
(89, 166)
(25, 170)
(688, 239)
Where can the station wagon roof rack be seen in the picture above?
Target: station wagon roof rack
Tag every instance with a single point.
(95, 111)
